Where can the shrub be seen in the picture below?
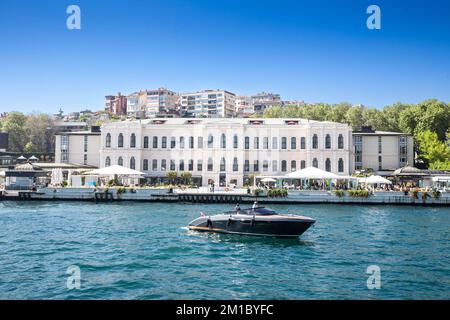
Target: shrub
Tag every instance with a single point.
(436, 194)
(358, 193)
(258, 192)
(339, 193)
(277, 193)
(424, 195)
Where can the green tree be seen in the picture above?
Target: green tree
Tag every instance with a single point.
(354, 117)
(40, 132)
(186, 176)
(338, 112)
(172, 176)
(14, 124)
(435, 153)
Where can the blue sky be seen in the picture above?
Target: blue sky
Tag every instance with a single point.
(317, 51)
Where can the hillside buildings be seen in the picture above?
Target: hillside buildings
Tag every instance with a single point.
(116, 105)
(208, 104)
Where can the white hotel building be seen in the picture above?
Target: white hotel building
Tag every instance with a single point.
(226, 151)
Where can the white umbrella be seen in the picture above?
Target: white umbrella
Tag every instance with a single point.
(115, 169)
(375, 180)
(268, 180)
(311, 173)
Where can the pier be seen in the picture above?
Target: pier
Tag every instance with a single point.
(99, 195)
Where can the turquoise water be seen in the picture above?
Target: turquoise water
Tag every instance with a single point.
(142, 251)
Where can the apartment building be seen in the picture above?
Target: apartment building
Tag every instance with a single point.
(208, 104)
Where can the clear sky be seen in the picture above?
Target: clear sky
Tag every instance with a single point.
(316, 51)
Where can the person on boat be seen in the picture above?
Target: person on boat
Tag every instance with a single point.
(255, 206)
(237, 208)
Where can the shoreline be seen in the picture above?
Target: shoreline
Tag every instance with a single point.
(163, 195)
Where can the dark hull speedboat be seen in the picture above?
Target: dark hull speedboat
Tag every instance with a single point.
(256, 222)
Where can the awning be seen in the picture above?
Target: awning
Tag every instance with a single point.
(115, 170)
(375, 180)
(311, 173)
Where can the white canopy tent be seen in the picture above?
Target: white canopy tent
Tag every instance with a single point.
(115, 170)
(268, 180)
(311, 173)
(374, 180)
(127, 175)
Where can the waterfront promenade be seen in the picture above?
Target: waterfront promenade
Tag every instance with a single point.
(205, 195)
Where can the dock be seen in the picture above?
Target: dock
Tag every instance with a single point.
(101, 195)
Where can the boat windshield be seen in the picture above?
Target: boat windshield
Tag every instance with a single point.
(258, 211)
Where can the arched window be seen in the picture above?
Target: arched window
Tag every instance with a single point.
(283, 143)
(235, 141)
(341, 141)
(327, 141)
(108, 141)
(172, 165)
(181, 142)
(172, 142)
(315, 163)
(200, 142)
(210, 141)
(191, 165)
(328, 165)
(155, 143)
(108, 162)
(133, 141)
(155, 165)
(191, 142)
(222, 164)
(247, 143)
(132, 163)
(284, 166)
(145, 165)
(302, 143)
(181, 166)
(315, 141)
(163, 165)
(200, 165)
(302, 164)
(341, 165)
(223, 141)
(235, 164)
(274, 166)
(120, 141)
(293, 143)
(293, 165)
(210, 164)
(145, 142)
(120, 161)
(265, 165)
(164, 142)
(274, 143)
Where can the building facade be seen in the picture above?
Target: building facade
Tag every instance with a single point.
(116, 104)
(244, 107)
(80, 148)
(264, 100)
(208, 104)
(382, 151)
(226, 151)
(152, 103)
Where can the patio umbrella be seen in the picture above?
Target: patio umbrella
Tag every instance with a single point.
(375, 180)
(268, 180)
(33, 158)
(311, 173)
(21, 158)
